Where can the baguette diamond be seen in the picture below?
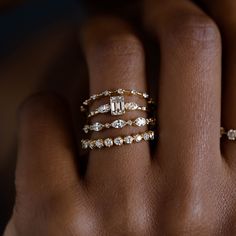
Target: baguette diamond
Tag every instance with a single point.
(117, 105)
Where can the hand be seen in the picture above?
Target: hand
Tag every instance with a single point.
(186, 188)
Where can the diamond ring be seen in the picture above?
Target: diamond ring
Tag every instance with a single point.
(129, 106)
(118, 124)
(117, 141)
(231, 134)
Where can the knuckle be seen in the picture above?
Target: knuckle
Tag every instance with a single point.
(195, 30)
(126, 46)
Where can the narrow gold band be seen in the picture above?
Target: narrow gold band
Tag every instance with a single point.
(117, 141)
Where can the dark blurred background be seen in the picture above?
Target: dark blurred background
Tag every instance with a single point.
(39, 50)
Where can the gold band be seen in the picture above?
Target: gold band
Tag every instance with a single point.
(117, 141)
(129, 106)
(119, 124)
(109, 93)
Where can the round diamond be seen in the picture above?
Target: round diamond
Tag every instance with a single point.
(120, 91)
(131, 106)
(107, 125)
(118, 124)
(151, 135)
(99, 143)
(96, 126)
(145, 95)
(106, 93)
(128, 139)
(140, 121)
(94, 97)
(108, 142)
(104, 108)
(138, 138)
(86, 129)
(92, 144)
(231, 134)
(129, 122)
(85, 144)
(146, 136)
(118, 141)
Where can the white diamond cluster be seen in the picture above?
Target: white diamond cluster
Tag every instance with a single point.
(118, 124)
(117, 107)
(117, 141)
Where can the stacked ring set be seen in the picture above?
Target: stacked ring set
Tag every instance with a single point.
(118, 107)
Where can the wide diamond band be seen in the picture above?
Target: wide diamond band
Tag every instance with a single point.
(117, 141)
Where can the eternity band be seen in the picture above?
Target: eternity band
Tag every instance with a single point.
(118, 124)
(117, 141)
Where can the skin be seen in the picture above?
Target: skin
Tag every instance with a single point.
(187, 185)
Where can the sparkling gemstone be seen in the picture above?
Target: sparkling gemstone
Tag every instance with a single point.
(85, 144)
(117, 105)
(85, 102)
(99, 143)
(140, 121)
(108, 142)
(96, 126)
(131, 106)
(118, 124)
(120, 91)
(128, 139)
(146, 136)
(151, 135)
(107, 125)
(133, 92)
(231, 134)
(94, 97)
(138, 138)
(92, 144)
(106, 93)
(145, 95)
(86, 129)
(129, 122)
(118, 141)
(104, 108)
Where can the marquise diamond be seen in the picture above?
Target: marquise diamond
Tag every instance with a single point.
(96, 127)
(118, 124)
(131, 106)
(104, 108)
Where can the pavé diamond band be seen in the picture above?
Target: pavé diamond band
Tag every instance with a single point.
(117, 141)
(119, 124)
